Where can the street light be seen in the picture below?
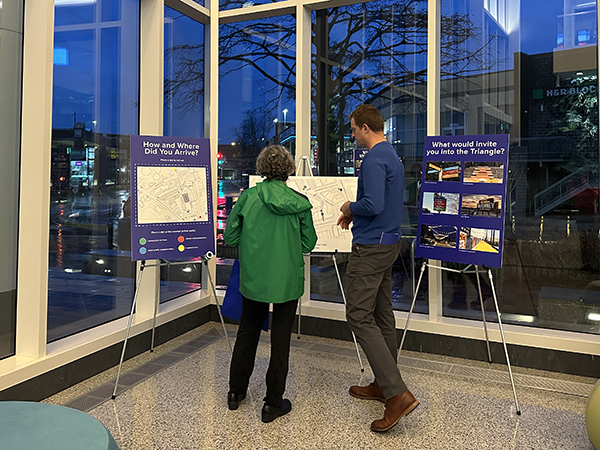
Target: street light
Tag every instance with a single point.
(276, 137)
(284, 115)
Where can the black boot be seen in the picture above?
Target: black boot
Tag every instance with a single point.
(234, 400)
(270, 413)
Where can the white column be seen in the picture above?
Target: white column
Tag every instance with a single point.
(433, 129)
(303, 106)
(211, 118)
(152, 16)
(303, 82)
(36, 143)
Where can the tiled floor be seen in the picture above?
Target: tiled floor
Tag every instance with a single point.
(180, 403)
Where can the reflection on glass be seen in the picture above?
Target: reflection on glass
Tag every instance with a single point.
(95, 89)
(257, 108)
(531, 72)
(183, 117)
(372, 53)
(233, 4)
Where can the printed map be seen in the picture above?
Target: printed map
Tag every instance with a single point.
(171, 194)
(326, 194)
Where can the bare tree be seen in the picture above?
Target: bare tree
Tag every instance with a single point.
(362, 52)
(252, 134)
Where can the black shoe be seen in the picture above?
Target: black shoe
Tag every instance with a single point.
(234, 400)
(270, 413)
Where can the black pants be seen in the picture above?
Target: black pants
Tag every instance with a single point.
(244, 352)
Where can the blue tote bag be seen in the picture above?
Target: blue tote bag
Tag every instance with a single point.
(232, 303)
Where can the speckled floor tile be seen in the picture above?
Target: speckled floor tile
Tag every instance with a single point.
(95, 381)
(184, 407)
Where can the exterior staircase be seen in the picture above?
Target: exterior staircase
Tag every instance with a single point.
(563, 190)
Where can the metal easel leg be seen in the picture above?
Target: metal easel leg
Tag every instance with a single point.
(362, 369)
(156, 302)
(137, 290)
(412, 263)
(205, 260)
(487, 339)
(504, 342)
(412, 307)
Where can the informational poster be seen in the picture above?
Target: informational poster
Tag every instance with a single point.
(359, 155)
(171, 198)
(463, 196)
(326, 195)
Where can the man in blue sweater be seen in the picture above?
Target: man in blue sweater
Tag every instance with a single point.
(376, 216)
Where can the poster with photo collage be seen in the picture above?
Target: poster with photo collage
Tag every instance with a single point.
(463, 196)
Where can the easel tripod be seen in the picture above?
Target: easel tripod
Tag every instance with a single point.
(304, 167)
(204, 259)
(476, 272)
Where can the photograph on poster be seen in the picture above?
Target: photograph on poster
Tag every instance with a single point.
(443, 171)
(484, 172)
(438, 236)
(440, 203)
(479, 239)
(483, 205)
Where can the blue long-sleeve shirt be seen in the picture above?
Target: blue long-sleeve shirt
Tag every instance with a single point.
(378, 206)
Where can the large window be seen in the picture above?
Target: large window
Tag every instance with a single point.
(233, 4)
(183, 117)
(374, 53)
(256, 108)
(531, 72)
(11, 42)
(95, 98)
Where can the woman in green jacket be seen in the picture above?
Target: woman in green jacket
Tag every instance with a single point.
(272, 227)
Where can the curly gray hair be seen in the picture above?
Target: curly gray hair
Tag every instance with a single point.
(276, 162)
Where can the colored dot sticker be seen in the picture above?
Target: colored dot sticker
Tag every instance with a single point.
(142, 241)
(180, 239)
(181, 248)
(143, 250)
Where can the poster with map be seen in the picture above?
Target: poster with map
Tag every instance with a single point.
(171, 198)
(463, 193)
(326, 194)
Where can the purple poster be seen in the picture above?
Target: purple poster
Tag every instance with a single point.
(171, 198)
(463, 196)
(359, 154)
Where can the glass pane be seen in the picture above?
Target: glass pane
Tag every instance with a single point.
(233, 4)
(372, 53)
(94, 112)
(183, 117)
(11, 42)
(184, 76)
(257, 108)
(69, 12)
(531, 72)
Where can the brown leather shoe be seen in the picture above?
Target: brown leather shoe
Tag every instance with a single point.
(395, 408)
(370, 392)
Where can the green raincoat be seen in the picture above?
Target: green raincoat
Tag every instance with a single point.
(272, 226)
